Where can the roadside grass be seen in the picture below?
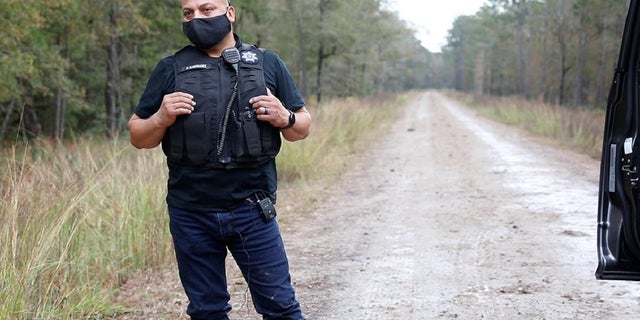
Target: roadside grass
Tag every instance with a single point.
(580, 129)
(341, 128)
(77, 220)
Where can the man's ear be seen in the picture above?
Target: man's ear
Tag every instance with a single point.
(231, 13)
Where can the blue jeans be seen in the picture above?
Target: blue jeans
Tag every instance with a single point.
(201, 241)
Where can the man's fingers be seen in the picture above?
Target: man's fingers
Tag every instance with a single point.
(180, 94)
(178, 103)
(180, 97)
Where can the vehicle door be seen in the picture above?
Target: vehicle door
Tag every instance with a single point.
(619, 190)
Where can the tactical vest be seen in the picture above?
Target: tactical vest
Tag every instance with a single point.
(204, 138)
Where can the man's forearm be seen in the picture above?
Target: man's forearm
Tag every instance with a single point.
(301, 128)
(145, 133)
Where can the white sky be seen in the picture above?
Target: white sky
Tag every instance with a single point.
(432, 19)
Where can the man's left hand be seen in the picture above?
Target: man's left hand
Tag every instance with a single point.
(269, 108)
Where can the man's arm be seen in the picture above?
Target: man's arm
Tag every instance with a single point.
(301, 128)
(269, 108)
(148, 133)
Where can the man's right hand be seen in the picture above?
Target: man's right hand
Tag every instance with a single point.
(148, 133)
(174, 105)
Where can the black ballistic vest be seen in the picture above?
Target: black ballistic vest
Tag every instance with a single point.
(204, 138)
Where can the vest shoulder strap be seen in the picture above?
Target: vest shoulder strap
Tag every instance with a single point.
(246, 46)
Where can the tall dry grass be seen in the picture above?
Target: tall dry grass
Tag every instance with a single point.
(75, 222)
(341, 128)
(578, 128)
(78, 220)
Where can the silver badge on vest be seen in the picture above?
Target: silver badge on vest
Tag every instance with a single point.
(249, 57)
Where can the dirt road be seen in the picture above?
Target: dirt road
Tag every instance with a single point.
(455, 217)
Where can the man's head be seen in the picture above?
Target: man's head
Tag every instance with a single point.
(208, 23)
(192, 9)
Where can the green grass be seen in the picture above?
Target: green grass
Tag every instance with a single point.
(77, 220)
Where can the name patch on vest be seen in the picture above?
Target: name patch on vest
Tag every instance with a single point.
(249, 57)
(195, 67)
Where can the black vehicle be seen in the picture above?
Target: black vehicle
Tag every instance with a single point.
(619, 196)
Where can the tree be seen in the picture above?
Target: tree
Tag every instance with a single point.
(32, 66)
(116, 21)
(84, 63)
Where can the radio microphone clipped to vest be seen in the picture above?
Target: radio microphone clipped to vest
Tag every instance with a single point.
(232, 57)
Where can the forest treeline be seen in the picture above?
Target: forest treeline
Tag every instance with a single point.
(557, 51)
(79, 66)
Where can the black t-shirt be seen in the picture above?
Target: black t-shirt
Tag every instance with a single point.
(210, 189)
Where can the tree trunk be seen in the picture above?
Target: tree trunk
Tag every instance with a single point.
(479, 73)
(5, 122)
(319, 74)
(563, 77)
(522, 88)
(112, 91)
(582, 56)
(522, 63)
(459, 70)
(30, 123)
(58, 130)
(563, 62)
(601, 84)
(302, 54)
(321, 6)
(545, 88)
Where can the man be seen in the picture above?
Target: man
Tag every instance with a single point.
(219, 108)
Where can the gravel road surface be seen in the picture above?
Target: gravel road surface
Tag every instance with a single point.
(449, 216)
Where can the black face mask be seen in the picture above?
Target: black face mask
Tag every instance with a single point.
(205, 33)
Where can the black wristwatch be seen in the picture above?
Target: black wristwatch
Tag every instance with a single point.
(292, 120)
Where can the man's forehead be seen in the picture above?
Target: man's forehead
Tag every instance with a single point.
(199, 3)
